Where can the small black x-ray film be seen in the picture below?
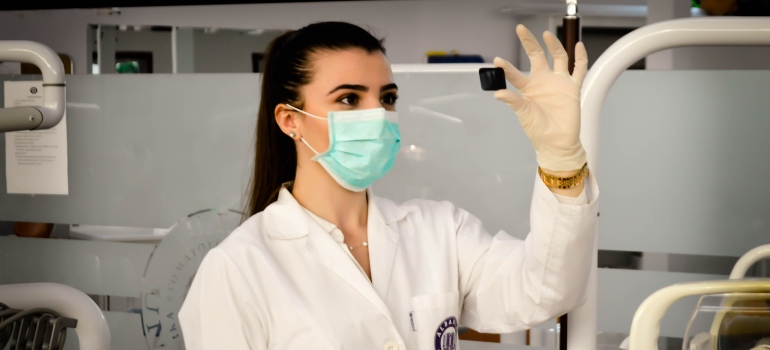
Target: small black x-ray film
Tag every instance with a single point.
(492, 79)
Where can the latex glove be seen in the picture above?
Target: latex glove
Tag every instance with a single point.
(548, 105)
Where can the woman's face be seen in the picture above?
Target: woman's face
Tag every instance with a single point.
(341, 81)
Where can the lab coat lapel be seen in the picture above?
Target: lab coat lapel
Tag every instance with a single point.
(328, 252)
(383, 221)
(383, 245)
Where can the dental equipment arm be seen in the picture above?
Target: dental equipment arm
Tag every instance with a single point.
(750, 258)
(52, 110)
(92, 330)
(596, 87)
(645, 327)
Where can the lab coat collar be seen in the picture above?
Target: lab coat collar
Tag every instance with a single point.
(387, 210)
(328, 252)
(287, 219)
(383, 241)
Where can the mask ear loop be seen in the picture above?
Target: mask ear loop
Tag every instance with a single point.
(309, 115)
(308, 145)
(303, 112)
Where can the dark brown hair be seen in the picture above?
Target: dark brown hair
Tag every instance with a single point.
(287, 69)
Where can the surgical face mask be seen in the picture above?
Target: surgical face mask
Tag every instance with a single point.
(362, 146)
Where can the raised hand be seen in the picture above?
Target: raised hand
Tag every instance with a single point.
(548, 102)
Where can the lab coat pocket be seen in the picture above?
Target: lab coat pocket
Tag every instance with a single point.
(434, 319)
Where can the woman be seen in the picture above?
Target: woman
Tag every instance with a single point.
(323, 264)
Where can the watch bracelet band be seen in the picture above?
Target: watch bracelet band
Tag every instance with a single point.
(564, 182)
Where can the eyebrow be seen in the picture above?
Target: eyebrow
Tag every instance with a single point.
(362, 88)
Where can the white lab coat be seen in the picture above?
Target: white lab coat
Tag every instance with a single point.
(280, 281)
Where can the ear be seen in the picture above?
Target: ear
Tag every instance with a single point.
(286, 119)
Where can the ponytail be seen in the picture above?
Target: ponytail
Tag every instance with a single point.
(275, 160)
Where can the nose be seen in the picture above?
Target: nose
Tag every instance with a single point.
(372, 101)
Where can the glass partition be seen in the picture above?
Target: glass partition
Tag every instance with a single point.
(682, 167)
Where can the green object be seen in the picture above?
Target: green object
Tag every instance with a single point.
(127, 67)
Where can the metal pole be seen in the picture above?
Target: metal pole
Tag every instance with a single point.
(173, 50)
(571, 31)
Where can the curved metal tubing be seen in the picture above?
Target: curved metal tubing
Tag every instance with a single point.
(52, 110)
(618, 57)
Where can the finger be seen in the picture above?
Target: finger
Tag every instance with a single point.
(512, 74)
(516, 101)
(581, 62)
(556, 49)
(532, 47)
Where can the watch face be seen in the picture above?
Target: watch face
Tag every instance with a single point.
(171, 270)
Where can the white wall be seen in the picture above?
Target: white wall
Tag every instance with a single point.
(411, 27)
(185, 50)
(228, 51)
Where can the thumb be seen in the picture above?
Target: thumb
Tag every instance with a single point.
(513, 99)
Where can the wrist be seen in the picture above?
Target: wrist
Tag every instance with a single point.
(564, 179)
(563, 161)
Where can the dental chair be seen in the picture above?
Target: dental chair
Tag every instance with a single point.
(731, 314)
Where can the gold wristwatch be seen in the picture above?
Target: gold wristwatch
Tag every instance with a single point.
(564, 182)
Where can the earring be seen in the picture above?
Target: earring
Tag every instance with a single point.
(292, 134)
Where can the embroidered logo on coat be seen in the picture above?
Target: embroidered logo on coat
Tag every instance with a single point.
(446, 334)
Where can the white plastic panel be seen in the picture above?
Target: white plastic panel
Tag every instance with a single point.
(684, 162)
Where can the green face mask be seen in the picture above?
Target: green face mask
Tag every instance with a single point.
(362, 146)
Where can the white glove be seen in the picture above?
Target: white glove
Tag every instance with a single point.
(549, 105)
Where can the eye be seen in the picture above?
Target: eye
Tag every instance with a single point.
(350, 99)
(389, 98)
